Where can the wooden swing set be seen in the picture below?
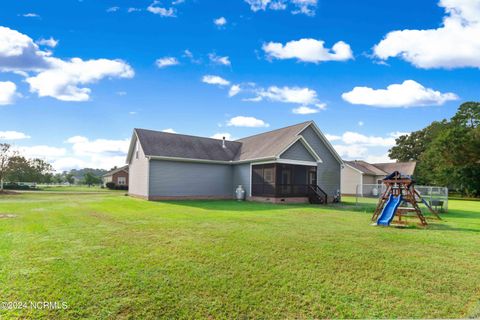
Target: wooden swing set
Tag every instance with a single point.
(403, 190)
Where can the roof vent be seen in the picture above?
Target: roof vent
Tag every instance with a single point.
(223, 143)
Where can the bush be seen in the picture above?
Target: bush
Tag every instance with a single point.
(16, 186)
(110, 185)
(121, 187)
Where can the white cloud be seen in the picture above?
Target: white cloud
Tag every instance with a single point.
(306, 7)
(234, 90)
(219, 60)
(216, 80)
(310, 110)
(241, 121)
(456, 44)
(351, 152)
(332, 137)
(8, 91)
(382, 158)
(169, 130)
(360, 123)
(42, 151)
(13, 135)
(167, 62)
(289, 95)
(164, 12)
(221, 135)
(63, 81)
(130, 10)
(355, 138)
(220, 22)
(82, 146)
(50, 42)
(55, 77)
(31, 15)
(308, 50)
(407, 94)
(113, 9)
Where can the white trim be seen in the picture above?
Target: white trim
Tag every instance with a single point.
(288, 161)
(324, 139)
(306, 145)
(251, 172)
(188, 160)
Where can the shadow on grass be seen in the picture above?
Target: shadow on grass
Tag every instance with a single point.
(232, 205)
(446, 227)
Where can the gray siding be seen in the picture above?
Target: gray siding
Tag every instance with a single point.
(297, 152)
(328, 172)
(138, 174)
(241, 175)
(180, 179)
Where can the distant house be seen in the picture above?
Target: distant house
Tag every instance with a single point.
(291, 164)
(118, 176)
(357, 173)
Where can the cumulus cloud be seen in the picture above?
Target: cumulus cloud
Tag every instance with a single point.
(241, 121)
(354, 145)
(308, 50)
(407, 94)
(64, 80)
(225, 61)
(166, 62)
(169, 130)
(13, 135)
(309, 109)
(161, 11)
(113, 9)
(234, 90)
(306, 7)
(42, 151)
(82, 146)
(50, 42)
(220, 22)
(456, 44)
(8, 91)
(222, 135)
(215, 80)
(61, 79)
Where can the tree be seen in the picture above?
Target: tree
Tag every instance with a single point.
(33, 170)
(448, 152)
(91, 179)
(6, 154)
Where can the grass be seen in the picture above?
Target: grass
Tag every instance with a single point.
(111, 256)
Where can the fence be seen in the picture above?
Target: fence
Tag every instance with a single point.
(369, 194)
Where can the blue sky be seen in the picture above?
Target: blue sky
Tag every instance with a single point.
(233, 68)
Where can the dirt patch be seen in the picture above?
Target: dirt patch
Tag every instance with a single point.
(7, 215)
(7, 192)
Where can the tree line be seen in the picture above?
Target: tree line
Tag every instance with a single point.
(16, 168)
(447, 152)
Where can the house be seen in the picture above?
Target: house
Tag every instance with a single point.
(284, 165)
(358, 173)
(118, 176)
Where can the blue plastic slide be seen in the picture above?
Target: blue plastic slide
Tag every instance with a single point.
(389, 210)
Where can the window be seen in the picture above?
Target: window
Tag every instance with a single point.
(121, 181)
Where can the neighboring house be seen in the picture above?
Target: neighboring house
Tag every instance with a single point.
(279, 165)
(358, 173)
(118, 176)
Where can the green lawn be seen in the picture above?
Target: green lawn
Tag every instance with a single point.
(75, 188)
(111, 256)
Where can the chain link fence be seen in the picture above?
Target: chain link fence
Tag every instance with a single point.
(436, 197)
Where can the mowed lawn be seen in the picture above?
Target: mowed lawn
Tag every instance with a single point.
(111, 256)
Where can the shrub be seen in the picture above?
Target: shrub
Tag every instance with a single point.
(110, 185)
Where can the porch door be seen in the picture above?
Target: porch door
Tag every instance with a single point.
(286, 180)
(312, 177)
